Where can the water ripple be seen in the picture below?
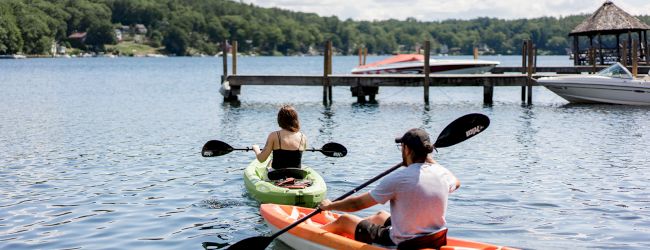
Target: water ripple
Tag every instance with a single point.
(113, 162)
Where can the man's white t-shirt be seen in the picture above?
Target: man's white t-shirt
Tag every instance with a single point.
(418, 199)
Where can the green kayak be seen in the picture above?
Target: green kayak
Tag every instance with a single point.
(265, 190)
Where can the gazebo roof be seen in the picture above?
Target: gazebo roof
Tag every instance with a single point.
(609, 18)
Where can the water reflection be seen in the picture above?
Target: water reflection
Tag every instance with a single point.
(234, 104)
(364, 106)
(327, 124)
(228, 127)
(526, 133)
(426, 117)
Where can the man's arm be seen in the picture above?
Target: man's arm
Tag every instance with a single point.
(455, 180)
(350, 204)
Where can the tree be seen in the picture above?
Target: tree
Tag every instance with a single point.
(557, 44)
(57, 17)
(176, 41)
(100, 34)
(11, 42)
(84, 13)
(215, 30)
(156, 39)
(36, 34)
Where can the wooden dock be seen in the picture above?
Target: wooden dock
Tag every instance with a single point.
(368, 85)
(362, 86)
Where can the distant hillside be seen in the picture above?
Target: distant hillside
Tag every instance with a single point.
(185, 27)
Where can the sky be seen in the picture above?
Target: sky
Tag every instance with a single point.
(437, 10)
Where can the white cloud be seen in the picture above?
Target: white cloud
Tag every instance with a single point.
(435, 10)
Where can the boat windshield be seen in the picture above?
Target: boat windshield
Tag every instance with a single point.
(616, 71)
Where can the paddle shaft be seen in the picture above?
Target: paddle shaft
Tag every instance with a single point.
(318, 210)
(261, 149)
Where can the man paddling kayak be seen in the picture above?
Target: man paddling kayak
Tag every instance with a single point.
(417, 193)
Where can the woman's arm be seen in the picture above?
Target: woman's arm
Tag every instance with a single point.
(262, 155)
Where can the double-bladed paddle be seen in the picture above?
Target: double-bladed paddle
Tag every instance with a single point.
(218, 148)
(457, 131)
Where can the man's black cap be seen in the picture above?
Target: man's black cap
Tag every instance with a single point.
(417, 140)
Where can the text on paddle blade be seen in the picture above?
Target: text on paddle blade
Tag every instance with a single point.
(473, 131)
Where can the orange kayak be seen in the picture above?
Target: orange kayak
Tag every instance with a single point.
(308, 235)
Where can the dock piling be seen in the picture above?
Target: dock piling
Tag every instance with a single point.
(234, 57)
(524, 66)
(592, 59)
(647, 50)
(624, 53)
(488, 92)
(360, 56)
(427, 71)
(224, 55)
(365, 55)
(326, 72)
(635, 58)
(534, 59)
(629, 45)
(231, 94)
(529, 81)
(329, 71)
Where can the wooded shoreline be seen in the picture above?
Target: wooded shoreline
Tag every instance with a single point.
(197, 27)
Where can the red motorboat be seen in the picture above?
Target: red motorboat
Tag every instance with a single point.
(414, 64)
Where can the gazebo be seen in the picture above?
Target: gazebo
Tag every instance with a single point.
(610, 20)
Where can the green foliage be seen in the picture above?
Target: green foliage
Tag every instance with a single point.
(36, 34)
(100, 34)
(176, 41)
(156, 39)
(11, 41)
(199, 26)
(85, 13)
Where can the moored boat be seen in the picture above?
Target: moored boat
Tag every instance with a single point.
(15, 56)
(266, 191)
(308, 235)
(612, 85)
(414, 64)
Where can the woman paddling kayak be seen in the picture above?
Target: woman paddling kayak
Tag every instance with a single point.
(286, 145)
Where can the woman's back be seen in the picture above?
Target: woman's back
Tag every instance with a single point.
(288, 152)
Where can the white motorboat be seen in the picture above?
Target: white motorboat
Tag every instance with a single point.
(16, 56)
(614, 85)
(414, 64)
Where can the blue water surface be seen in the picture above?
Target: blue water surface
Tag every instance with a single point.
(104, 153)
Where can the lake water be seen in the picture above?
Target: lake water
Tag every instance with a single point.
(101, 153)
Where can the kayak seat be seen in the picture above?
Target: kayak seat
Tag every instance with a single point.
(434, 240)
(283, 173)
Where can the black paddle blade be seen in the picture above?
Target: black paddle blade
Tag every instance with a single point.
(215, 148)
(252, 243)
(462, 129)
(333, 149)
